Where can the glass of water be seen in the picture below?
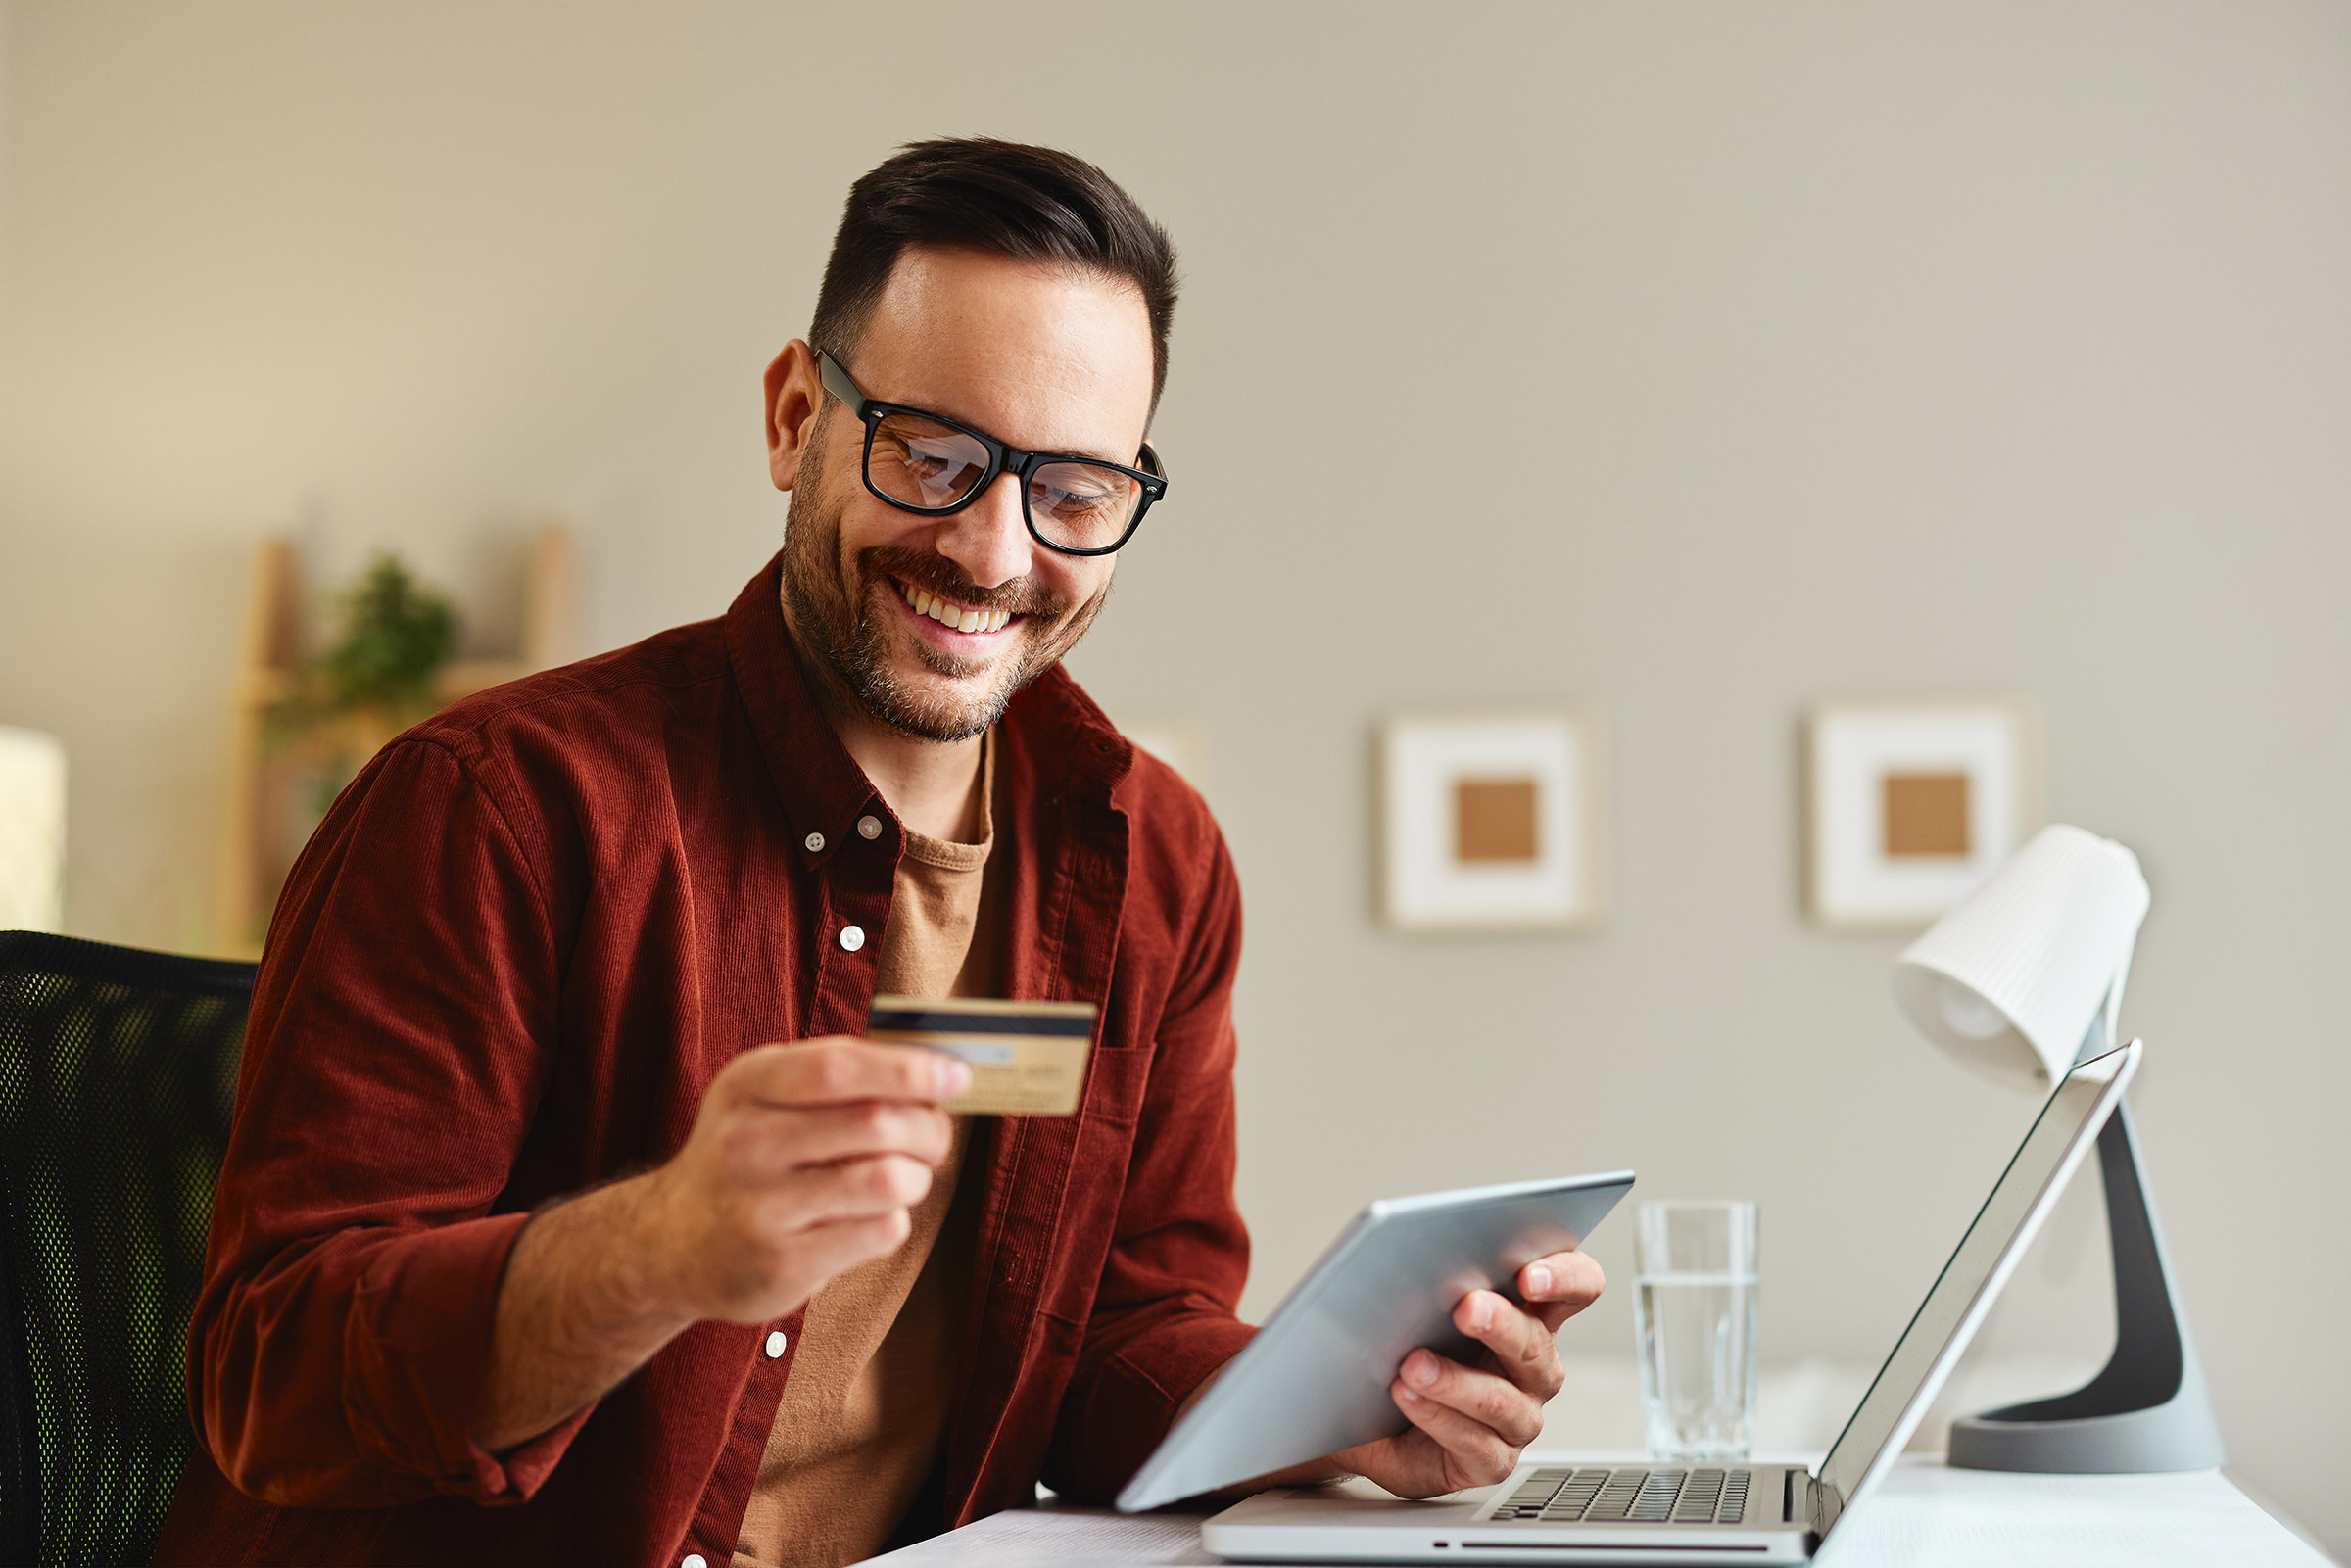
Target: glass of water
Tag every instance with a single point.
(1694, 1307)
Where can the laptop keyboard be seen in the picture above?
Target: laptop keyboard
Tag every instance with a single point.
(1634, 1497)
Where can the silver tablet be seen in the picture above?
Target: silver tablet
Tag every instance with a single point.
(1316, 1378)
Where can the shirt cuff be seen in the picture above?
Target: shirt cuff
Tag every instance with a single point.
(416, 1353)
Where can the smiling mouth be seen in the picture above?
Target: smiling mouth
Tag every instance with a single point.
(949, 614)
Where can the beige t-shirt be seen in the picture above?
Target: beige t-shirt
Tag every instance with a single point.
(865, 1409)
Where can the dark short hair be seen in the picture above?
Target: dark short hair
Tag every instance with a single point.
(1032, 204)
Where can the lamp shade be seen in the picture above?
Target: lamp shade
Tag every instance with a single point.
(2011, 981)
(32, 831)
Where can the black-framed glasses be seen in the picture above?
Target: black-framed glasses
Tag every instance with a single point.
(934, 466)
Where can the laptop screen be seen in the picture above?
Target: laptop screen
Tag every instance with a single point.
(1970, 1282)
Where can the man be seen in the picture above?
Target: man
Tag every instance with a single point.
(566, 1217)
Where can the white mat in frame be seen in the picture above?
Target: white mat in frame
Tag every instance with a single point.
(1492, 821)
(1910, 805)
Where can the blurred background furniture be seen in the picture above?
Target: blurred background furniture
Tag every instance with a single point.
(32, 829)
(272, 781)
(117, 1073)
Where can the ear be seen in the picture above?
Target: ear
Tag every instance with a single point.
(794, 398)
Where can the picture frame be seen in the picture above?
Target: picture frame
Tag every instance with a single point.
(1492, 822)
(1910, 805)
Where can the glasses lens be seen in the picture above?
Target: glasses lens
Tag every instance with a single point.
(1083, 505)
(922, 462)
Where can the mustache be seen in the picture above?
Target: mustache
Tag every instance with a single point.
(935, 573)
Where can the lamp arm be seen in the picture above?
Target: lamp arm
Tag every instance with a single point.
(2149, 1408)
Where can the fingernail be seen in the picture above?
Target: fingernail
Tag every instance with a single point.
(1421, 1369)
(953, 1076)
(1409, 1397)
(1481, 1315)
(1538, 1281)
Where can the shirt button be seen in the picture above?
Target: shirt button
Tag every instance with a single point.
(870, 826)
(815, 843)
(695, 1559)
(775, 1345)
(852, 937)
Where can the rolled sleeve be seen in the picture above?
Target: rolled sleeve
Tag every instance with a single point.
(401, 1029)
(413, 1367)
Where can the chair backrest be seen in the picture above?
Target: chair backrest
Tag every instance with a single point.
(117, 1073)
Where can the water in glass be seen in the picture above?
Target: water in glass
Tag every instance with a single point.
(1697, 1363)
(1695, 1311)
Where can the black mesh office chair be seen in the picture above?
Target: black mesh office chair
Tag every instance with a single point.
(117, 1069)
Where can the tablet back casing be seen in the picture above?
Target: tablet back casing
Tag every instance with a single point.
(1316, 1378)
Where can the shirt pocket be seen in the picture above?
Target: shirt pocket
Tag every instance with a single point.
(1117, 1077)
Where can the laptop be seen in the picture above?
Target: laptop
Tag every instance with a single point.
(1710, 1514)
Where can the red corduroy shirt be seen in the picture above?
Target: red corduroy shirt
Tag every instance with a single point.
(516, 952)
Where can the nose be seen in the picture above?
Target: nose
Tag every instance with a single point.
(990, 539)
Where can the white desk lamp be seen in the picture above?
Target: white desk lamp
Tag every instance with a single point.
(2020, 982)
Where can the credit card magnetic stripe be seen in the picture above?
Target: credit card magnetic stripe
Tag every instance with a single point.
(928, 1021)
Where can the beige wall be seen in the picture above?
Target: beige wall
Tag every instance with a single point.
(1697, 362)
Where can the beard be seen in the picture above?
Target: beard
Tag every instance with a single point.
(844, 635)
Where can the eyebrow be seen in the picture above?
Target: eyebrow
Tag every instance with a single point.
(1014, 446)
(1127, 461)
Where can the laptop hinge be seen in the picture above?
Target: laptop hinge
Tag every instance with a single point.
(1807, 1501)
(1823, 1505)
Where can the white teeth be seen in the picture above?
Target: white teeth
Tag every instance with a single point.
(954, 617)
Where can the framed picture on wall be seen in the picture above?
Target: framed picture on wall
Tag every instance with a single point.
(1910, 806)
(1491, 821)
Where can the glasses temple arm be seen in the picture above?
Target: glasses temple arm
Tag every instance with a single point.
(835, 380)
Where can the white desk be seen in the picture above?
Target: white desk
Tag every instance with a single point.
(1924, 1515)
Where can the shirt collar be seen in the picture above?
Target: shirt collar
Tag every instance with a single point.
(1061, 726)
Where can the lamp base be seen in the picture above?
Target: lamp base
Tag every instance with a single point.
(2149, 1409)
(2162, 1436)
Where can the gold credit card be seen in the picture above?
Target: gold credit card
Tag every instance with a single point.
(1028, 1059)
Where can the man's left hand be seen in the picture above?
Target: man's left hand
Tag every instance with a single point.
(1470, 1421)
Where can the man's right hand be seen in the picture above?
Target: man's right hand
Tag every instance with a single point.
(804, 1161)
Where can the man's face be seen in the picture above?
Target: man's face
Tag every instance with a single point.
(1041, 358)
